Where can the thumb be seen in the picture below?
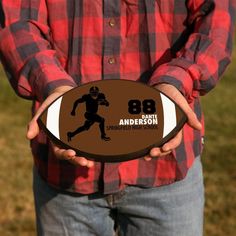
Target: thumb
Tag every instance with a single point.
(193, 120)
(33, 129)
(175, 95)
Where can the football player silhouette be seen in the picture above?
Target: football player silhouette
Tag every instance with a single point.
(92, 101)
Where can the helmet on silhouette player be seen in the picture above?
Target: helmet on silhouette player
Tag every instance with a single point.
(94, 91)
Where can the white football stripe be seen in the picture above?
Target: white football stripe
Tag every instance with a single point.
(169, 114)
(53, 118)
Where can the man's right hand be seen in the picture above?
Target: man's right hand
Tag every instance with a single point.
(33, 131)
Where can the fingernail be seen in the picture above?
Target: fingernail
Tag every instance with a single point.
(72, 153)
(199, 126)
(28, 135)
(83, 163)
(90, 164)
(147, 158)
(154, 152)
(165, 148)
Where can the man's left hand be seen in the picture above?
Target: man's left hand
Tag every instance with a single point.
(175, 95)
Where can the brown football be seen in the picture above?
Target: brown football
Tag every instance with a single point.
(112, 120)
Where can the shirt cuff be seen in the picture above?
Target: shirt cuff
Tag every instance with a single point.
(48, 79)
(178, 73)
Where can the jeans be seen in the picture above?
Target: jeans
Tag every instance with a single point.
(171, 210)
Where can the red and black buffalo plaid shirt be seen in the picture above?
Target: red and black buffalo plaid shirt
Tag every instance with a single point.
(48, 43)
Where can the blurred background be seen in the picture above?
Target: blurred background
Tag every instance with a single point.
(219, 160)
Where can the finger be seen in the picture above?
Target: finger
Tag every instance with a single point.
(46, 103)
(155, 152)
(158, 153)
(165, 153)
(32, 130)
(173, 143)
(147, 158)
(193, 121)
(70, 155)
(82, 161)
(90, 164)
(192, 118)
(166, 148)
(63, 154)
(174, 94)
(75, 160)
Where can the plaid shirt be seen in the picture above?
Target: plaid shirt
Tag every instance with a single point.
(48, 43)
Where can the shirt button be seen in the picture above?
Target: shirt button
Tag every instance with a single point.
(111, 60)
(112, 22)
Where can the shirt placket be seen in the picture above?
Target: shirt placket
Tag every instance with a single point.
(111, 70)
(111, 39)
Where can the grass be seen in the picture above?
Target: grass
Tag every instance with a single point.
(16, 200)
(219, 156)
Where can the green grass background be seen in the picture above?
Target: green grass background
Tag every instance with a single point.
(219, 160)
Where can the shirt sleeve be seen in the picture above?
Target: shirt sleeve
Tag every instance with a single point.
(207, 52)
(30, 61)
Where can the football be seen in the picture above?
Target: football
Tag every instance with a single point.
(112, 120)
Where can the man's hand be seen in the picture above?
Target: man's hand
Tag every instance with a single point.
(33, 130)
(174, 94)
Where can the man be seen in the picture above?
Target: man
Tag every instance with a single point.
(180, 47)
